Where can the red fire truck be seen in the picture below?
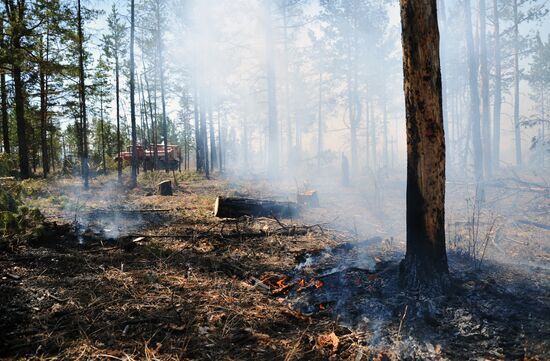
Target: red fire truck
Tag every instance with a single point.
(146, 157)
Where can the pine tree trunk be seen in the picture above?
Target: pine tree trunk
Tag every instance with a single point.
(16, 12)
(287, 82)
(84, 130)
(213, 151)
(152, 116)
(443, 34)
(4, 105)
(517, 129)
(367, 135)
(320, 122)
(220, 143)
(385, 129)
(273, 128)
(485, 102)
(373, 139)
(204, 138)
(4, 96)
(351, 115)
(103, 160)
(162, 91)
(425, 264)
(198, 139)
(133, 180)
(474, 99)
(24, 166)
(44, 124)
(145, 122)
(498, 89)
(118, 140)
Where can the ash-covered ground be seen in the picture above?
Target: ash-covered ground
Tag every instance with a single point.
(196, 287)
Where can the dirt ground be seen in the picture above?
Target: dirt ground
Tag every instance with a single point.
(132, 275)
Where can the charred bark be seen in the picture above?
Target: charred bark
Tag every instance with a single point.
(5, 124)
(204, 138)
(198, 139)
(498, 89)
(273, 132)
(44, 123)
(238, 207)
(4, 98)
(485, 103)
(118, 141)
(213, 151)
(133, 180)
(82, 93)
(474, 99)
(425, 264)
(517, 129)
(24, 166)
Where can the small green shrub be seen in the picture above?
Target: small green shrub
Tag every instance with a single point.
(17, 222)
(8, 164)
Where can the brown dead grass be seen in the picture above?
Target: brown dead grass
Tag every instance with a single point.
(185, 295)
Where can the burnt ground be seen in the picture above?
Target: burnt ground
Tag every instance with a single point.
(196, 287)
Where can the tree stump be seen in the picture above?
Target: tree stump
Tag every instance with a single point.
(231, 207)
(308, 199)
(165, 188)
(345, 171)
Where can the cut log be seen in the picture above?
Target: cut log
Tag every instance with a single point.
(165, 188)
(231, 207)
(308, 199)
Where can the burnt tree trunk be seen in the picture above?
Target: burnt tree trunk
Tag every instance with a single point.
(44, 123)
(133, 178)
(198, 150)
(213, 151)
(220, 143)
(118, 140)
(273, 126)
(162, 87)
(485, 102)
(204, 137)
(474, 100)
(498, 86)
(5, 124)
(82, 94)
(517, 129)
(425, 264)
(15, 14)
(4, 95)
(320, 122)
(21, 123)
(231, 207)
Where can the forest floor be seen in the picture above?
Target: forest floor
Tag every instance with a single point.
(133, 275)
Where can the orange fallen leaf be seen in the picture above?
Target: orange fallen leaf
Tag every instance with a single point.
(328, 340)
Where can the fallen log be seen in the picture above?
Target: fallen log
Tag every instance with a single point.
(232, 207)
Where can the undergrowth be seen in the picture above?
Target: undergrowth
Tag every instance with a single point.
(17, 221)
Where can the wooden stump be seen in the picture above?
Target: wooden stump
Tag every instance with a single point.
(231, 207)
(345, 171)
(308, 199)
(165, 188)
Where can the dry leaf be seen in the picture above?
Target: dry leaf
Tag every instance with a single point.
(328, 340)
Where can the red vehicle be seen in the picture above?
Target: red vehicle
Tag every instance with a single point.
(146, 156)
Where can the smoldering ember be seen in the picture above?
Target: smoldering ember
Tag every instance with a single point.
(275, 180)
